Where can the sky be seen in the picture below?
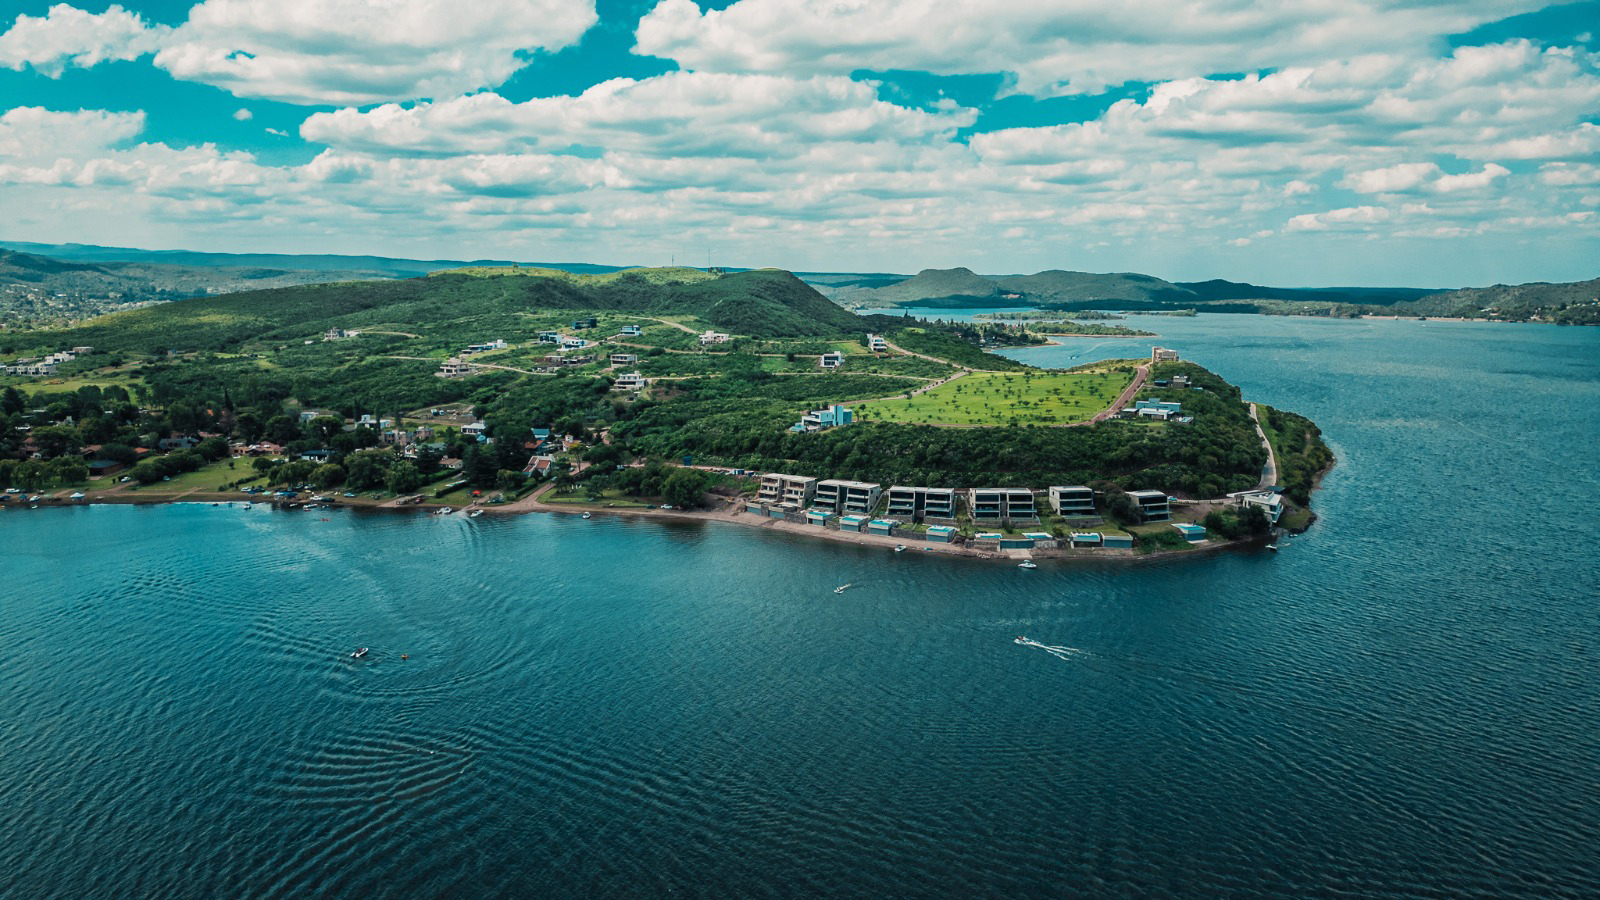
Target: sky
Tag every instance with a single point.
(1433, 143)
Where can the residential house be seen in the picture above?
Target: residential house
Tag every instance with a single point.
(1269, 501)
(336, 334)
(877, 344)
(1072, 500)
(450, 462)
(496, 344)
(624, 359)
(573, 343)
(1194, 534)
(818, 419)
(475, 430)
(917, 503)
(1162, 354)
(1180, 382)
(455, 368)
(793, 491)
(831, 360)
(630, 381)
(580, 324)
(1154, 506)
(941, 534)
(853, 523)
(539, 465)
(631, 331)
(713, 337)
(994, 504)
(1087, 540)
(308, 415)
(549, 337)
(882, 527)
(838, 496)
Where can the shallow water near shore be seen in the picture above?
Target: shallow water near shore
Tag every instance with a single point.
(1400, 702)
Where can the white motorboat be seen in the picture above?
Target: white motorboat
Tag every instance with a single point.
(1027, 564)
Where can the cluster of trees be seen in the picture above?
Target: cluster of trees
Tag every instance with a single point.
(1302, 455)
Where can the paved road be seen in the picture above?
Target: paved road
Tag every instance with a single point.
(1269, 475)
(1123, 399)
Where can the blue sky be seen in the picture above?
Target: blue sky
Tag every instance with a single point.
(1296, 143)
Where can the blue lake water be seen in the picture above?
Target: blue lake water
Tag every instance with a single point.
(1403, 702)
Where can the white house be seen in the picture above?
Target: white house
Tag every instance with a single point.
(832, 360)
(713, 337)
(630, 381)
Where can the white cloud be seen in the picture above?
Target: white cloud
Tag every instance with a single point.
(1402, 177)
(1356, 217)
(314, 52)
(66, 36)
(1471, 181)
(674, 115)
(1052, 46)
(243, 115)
(32, 133)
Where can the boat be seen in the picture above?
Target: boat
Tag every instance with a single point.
(899, 548)
(1273, 547)
(474, 514)
(359, 653)
(586, 515)
(842, 588)
(1027, 564)
(248, 506)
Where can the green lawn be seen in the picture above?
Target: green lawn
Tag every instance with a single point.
(1000, 399)
(206, 478)
(610, 498)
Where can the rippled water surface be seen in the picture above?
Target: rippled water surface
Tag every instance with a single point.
(1404, 702)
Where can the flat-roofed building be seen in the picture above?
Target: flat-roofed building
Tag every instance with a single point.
(1162, 354)
(1154, 506)
(787, 490)
(831, 360)
(877, 344)
(1001, 503)
(624, 359)
(630, 381)
(922, 502)
(839, 496)
(454, 368)
(1072, 500)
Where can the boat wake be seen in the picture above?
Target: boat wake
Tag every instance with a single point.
(1058, 652)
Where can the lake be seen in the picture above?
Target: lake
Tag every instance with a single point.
(1405, 701)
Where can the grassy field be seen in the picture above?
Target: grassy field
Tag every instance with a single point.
(206, 478)
(1003, 399)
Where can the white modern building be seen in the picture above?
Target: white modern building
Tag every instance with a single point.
(908, 502)
(787, 490)
(838, 496)
(1001, 503)
(1072, 500)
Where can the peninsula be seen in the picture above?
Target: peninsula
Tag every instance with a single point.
(743, 396)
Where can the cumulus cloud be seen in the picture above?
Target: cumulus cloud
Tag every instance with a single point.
(314, 52)
(243, 115)
(1050, 46)
(677, 114)
(1470, 181)
(66, 36)
(32, 133)
(1403, 177)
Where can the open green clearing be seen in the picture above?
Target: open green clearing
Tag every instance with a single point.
(1022, 398)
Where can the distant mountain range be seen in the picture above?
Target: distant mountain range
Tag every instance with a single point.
(41, 283)
(1057, 290)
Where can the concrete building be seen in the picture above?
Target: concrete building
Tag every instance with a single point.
(1270, 501)
(818, 419)
(631, 331)
(1162, 354)
(853, 523)
(877, 344)
(454, 368)
(838, 496)
(787, 490)
(994, 504)
(1155, 506)
(630, 381)
(941, 534)
(1072, 500)
(882, 527)
(1087, 540)
(832, 360)
(1194, 534)
(624, 359)
(713, 337)
(549, 337)
(580, 324)
(917, 503)
(1180, 382)
(1117, 541)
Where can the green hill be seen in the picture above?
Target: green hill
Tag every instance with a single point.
(763, 303)
(1058, 286)
(939, 287)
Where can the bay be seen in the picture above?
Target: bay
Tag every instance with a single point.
(1402, 702)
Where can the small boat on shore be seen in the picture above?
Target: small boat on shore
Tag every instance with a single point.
(359, 653)
(899, 548)
(474, 514)
(586, 515)
(1027, 564)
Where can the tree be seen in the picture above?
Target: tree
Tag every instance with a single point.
(55, 440)
(323, 428)
(428, 459)
(295, 472)
(327, 475)
(282, 430)
(404, 478)
(510, 480)
(262, 463)
(12, 402)
(685, 487)
(69, 470)
(368, 468)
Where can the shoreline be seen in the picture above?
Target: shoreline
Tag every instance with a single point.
(730, 513)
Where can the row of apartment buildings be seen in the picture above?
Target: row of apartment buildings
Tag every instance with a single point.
(839, 496)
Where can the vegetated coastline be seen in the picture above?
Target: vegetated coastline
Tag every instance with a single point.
(332, 386)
